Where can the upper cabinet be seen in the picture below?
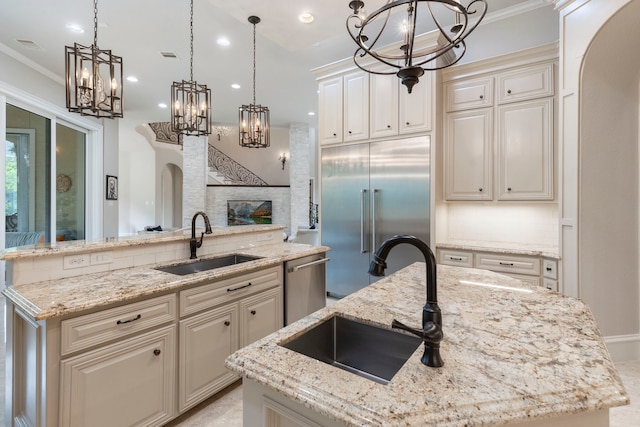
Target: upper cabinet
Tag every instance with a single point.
(499, 133)
(358, 106)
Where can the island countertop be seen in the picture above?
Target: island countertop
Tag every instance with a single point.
(513, 352)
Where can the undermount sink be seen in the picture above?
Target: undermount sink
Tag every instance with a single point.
(369, 351)
(207, 264)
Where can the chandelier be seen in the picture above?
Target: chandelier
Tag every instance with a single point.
(86, 67)
(402, 17)
(190, 101)
(253, 120)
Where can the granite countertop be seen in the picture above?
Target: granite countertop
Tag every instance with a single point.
(56, 298)
(502, 247)
(512, 352)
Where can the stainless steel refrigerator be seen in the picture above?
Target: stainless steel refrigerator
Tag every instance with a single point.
(370, 192)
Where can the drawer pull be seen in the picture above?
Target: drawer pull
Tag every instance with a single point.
(509, 91)
(388, 126)
(549, 268)
(253, 312)
(122, 322)
(455, 258)
(508, 264)
(480, 189)
(481, 96)
(227, 323)
(157, 352)
(239, 287)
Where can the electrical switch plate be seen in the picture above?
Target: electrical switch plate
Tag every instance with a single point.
(75, 261)
(101, 258)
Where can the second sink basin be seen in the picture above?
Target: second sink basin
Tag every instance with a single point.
(369, 351)
(206, 264)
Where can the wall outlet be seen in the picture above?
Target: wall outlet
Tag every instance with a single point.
(101, 258)
(75, 261)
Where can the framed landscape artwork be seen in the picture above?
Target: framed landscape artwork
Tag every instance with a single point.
(246, 212)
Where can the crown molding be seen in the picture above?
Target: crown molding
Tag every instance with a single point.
(31, 64)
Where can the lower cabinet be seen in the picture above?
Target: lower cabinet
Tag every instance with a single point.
(129, 383)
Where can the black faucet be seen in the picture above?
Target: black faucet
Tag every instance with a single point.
(431, 332)
(193, 243)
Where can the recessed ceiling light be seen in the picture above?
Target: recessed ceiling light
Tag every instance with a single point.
(235, 86)
(223, 41)
(162, 105)
(306, 18)
(132, 79)
(75, 28)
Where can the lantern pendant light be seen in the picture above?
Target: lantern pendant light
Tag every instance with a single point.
(253, 120)
(190, 102)
(87, 90)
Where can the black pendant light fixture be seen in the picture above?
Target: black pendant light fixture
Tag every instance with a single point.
(190, 101)
(93, 78)
(253, 120)
(401, 17)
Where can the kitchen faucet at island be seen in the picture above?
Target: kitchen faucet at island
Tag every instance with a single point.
(431, 333)
(193, 243)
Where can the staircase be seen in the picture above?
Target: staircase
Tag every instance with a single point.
(224, 170)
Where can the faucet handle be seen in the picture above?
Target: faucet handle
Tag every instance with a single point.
(432, 333)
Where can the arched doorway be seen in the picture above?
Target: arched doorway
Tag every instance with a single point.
(171, 193)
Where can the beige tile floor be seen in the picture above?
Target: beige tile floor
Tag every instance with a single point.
(225, 408)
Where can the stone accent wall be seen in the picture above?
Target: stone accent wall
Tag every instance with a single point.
(194, 182)
(299, 147)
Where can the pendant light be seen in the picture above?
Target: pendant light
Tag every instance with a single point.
(190, 101)
(253, 120)
(401, 17)
(93, 78)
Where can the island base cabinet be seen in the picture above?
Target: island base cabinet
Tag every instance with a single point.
(130, 383)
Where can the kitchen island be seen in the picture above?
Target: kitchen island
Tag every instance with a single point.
(514, 354)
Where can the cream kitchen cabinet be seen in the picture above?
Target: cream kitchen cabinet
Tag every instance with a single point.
(384, 105)
(416, 107)
(504, 149)
(230, 314)
(344, 108)
(469, 155)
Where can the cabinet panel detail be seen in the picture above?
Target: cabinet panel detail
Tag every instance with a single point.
(415, 107)
(468, 94)
(330, 103)
(92, 329)
(356, 107)
(384, 105)
(527, 83)
(508, 264)
(460, 259)
(260, 315)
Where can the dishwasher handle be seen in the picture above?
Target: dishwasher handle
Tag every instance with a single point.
(308, 264)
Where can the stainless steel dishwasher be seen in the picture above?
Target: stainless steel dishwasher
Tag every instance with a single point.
(304, 286)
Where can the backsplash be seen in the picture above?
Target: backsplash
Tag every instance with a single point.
(535, 224)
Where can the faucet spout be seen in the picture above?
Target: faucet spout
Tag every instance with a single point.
(193, 242)
(431, 332)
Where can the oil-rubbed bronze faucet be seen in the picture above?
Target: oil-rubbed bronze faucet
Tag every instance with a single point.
(193, 243)
(431, 333)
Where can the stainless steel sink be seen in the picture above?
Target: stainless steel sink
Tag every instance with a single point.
(206, 264)
(369, 351)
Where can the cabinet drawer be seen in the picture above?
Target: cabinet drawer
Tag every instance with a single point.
(550, 269)
(508, 264)
(550, 284)
(467, 94)
(207, 296)
(92, 329)
(528, 83)
(460, 259)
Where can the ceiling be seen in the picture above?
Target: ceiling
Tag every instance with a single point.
(138, 31)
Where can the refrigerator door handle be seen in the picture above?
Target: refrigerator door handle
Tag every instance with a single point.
(363, 193)
(373, 219)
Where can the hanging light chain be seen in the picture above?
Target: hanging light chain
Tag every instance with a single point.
(254, 63)
(191, 47)
(95, 23)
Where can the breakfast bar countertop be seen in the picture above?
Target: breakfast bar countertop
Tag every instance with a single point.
(512, 353)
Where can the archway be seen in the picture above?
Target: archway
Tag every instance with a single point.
(171, 193)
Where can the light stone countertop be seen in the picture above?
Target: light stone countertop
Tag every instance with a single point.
(512, 352)
(56, 298)
(502, 248)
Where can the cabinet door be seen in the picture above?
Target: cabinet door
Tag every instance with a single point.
(356, 106)
(130, 383)
(415, 107)
(466, 94)
(469, 155)
(526, 83)
(205, 342)
(330, 98)
(384, 105)
(260, 315)
(525, 150)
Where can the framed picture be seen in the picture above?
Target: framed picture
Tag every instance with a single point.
(112, 187)
(245, 212)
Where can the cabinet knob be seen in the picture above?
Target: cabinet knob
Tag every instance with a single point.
(253, 312)
(509, 91)
(334, 134)
(481, 96)
(157, 352)
(480, 189)
(509, 189)
(388, 126)
(349, 132)
(549, 268)
(407, 123)
(227, 323)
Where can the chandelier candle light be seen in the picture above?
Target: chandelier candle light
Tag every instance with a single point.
(88, 93)
(253, 120)
(409, 61)
(190, 101)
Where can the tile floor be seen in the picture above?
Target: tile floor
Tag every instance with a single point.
(225, 408)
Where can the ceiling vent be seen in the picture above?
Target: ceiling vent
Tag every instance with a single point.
(169, 55)
(29, 44)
